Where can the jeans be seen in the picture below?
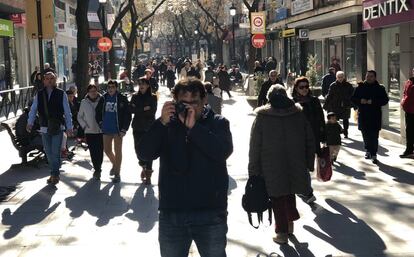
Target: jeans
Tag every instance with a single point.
(51, 146)
(371, 141)
(284, 208)
(95, 145)
(409, 130)
(142, 163)
(208, 229)
(114, 157)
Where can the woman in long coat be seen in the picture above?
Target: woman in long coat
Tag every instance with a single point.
(282, 151)
(339, 100)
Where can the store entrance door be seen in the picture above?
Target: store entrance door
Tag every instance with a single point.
(394, 91)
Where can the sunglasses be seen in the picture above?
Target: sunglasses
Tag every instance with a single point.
(303, 87)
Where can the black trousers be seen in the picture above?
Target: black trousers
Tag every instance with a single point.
(371, 141)
(346, 126)
(142, 163)
(227, 91)
(409, 130)
(96, 149)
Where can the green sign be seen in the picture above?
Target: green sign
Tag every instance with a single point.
(6, 28)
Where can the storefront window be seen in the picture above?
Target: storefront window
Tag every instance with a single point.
(350, 59)
(335, 53)
(319, 57)
(3, 83)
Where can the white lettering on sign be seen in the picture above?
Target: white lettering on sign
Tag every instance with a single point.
(386, 8)
(4, 27)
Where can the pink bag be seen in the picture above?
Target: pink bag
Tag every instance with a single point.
(324, 168)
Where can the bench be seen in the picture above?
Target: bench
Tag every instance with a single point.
(24, 150)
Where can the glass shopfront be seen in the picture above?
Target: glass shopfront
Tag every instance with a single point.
(390, 74)
(342, 50)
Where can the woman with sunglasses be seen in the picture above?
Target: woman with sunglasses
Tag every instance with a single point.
(144, 106)
(313, 111)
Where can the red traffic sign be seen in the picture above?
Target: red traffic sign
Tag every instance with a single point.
(104, 44)
(258, 40)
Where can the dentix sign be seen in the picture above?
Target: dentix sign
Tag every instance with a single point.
(380, 13)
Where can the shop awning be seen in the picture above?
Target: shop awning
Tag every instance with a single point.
(16, 7)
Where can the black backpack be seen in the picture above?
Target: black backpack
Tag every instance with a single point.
(256, 199)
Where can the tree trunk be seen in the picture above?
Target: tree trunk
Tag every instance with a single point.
(130, 49)
(111, 64)
(219, 50)
(82, 65)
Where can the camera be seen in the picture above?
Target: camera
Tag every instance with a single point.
(180, 108)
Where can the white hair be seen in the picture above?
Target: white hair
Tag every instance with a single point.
(340, 73)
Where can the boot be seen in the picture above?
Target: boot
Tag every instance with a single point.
(143, 175)
(281, 238)
(290, 228)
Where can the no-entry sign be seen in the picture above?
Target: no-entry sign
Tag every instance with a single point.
(104, 44)
(258, 40)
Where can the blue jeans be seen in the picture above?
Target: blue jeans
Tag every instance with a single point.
(51, 146)
(208, 229)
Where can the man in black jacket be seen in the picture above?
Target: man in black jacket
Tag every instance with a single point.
(193, 145)
(327, 80)
(273, 80)
(370, 96)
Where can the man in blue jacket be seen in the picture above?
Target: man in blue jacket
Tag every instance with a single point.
(193, 145)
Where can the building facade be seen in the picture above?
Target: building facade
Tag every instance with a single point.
(390, 51)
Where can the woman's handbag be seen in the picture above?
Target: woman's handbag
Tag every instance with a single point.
(324, 168)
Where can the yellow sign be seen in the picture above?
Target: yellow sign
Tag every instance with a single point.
(288, 33)
(48, 19)
(258, 22)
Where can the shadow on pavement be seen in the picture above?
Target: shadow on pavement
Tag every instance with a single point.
(116, 206)
(18, 174)
(33, 211)
(358, 145)
(232, 185)
(90, 198)
(299, 250)
(401, 176)
(144, 206)
(349, 171)
(345, 231)
(229, 101)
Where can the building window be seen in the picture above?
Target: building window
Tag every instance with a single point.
(60, 11)
(350, 59)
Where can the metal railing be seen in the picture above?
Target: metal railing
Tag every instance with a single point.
(13, 101)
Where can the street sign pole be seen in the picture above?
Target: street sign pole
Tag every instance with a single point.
(40, 35)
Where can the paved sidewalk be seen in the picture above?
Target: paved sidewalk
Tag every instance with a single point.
(364, 211)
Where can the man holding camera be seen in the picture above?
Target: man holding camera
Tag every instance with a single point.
(193, 145)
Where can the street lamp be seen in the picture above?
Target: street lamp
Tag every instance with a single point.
(145, 28)
(233, 13)
(196, 32)
(102, 3)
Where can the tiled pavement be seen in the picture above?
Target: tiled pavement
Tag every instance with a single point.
(364, 211)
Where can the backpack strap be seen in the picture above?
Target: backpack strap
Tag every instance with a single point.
(251, 221)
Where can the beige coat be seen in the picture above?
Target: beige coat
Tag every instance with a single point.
(282, 149)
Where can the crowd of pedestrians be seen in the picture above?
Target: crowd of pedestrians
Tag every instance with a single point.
(193, 141)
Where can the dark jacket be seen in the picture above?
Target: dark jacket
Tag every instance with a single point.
(339, 99)
(224, 80)
(327, 80)
(270, 65)
(153, 84)
(313, 111)
(170, 75)
(54, 106)
(193, 170)
(123, 113)
(333, 133)
(282, 150)
(262, 98)
(143, 119)
(370, 115)
(209, 75)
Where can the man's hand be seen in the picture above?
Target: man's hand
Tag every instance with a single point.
(147, 108)
(168, 110)
(29, 128)
(369, 101)
(364, 101)
(69, 132)
(191, 119)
